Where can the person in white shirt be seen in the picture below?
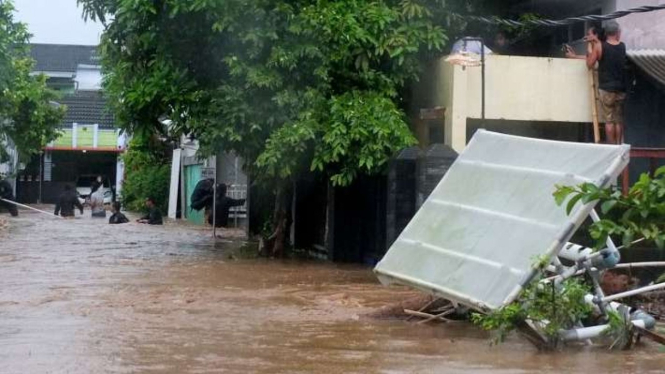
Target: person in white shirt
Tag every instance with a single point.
(97, 201)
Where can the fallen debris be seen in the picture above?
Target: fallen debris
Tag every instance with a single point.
(490, 238)
(397, 310)
(656, 337)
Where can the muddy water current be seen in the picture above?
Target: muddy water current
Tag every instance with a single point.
(81, 296)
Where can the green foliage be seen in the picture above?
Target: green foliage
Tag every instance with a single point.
(26, 113)
(540, 262)
(552, 308)
(147, 174)
(640, 214)
(501, 322)
(525, 30)
(619, 330)
(288, 85)
(661, 278)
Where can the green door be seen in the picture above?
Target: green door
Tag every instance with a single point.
(192, 177)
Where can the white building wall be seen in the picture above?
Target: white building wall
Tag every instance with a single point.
(516, 89)
(642, 30)
(89, 77)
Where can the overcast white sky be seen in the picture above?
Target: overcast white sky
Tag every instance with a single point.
(57, 22)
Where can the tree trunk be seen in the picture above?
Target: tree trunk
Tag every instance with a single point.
(275, 244)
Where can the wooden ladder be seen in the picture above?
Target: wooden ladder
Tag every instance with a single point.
(593, 84)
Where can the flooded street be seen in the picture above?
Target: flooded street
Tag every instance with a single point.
(82, 296)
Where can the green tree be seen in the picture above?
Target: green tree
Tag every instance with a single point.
(286, 84)
(290, 86)
(640, 214)
(147, 174)
(27, 113)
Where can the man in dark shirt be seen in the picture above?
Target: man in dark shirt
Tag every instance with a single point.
(67, 202)
(202, 195)
(7, 192)
(611, 58)
(222, 206)
(154, 216)
(117, 217)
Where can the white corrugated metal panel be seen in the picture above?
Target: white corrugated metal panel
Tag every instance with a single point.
(492, 216)
(651, 61)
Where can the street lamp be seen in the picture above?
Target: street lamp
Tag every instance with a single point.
(464, 59)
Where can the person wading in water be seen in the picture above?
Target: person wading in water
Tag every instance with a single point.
(7, 193)
(67, 202)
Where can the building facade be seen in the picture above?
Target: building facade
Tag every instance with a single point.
(89, 143)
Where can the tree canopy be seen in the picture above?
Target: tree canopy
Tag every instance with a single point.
(289, 85)
(27, 114)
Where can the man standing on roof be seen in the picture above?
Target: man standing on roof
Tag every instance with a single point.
(611, 58)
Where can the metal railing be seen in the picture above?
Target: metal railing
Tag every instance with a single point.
(237, 191)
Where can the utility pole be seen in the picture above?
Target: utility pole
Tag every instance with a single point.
(214, 202)
(41, 177)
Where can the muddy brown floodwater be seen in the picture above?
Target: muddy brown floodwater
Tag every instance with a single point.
(81, 296)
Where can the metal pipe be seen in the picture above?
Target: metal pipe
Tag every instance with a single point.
(637, 314)
(585, 333)
(482, 79)
(637, 291)
(568, 273)
(599, 295)
(582, 333)
(560, 277)
(575, 252)
(646, 264)
(565, 274)
(29, 207)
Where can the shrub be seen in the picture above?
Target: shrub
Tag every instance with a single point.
(147, 174)
(639, 214)
(552, 308)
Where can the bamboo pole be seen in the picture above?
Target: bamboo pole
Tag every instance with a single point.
(594, 99)
(424, 307)
(416, 313)
(429, 317)
(29, 207)
(438, 316)
(651, 335)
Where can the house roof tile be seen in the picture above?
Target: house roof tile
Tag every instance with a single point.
(63, 57)
(87, 108)
(651, 61)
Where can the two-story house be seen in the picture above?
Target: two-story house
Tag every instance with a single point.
(89, 143)
(543, 94)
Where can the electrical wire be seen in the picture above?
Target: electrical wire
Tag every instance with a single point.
(565, 21)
